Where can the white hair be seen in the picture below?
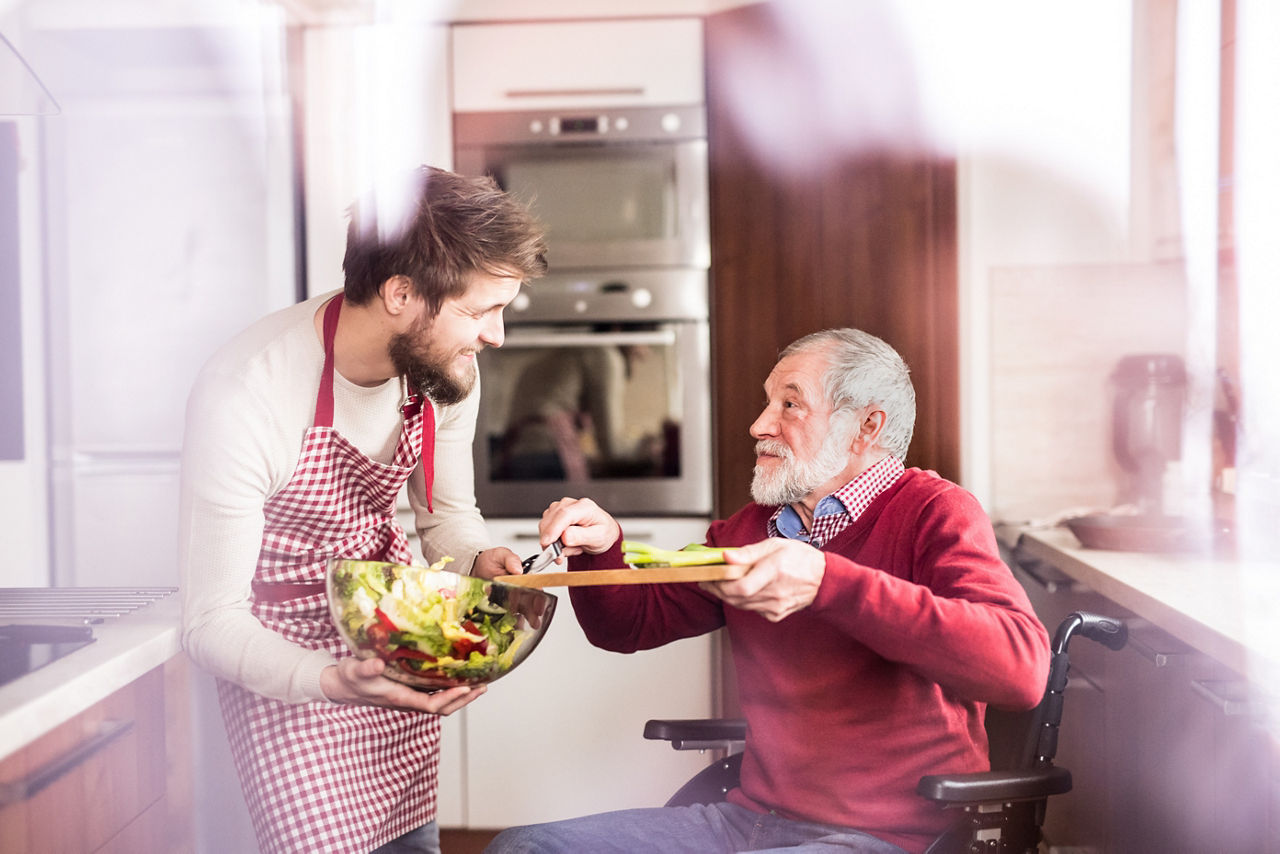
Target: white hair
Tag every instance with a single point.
(863, 370)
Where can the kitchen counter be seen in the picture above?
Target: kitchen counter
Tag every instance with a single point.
(1223, 607)
(124, 649)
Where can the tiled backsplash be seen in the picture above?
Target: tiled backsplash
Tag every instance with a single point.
(1057, 334)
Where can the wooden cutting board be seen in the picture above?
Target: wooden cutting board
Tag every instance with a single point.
(647, 575)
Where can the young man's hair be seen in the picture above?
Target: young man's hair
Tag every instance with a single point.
(437, 228)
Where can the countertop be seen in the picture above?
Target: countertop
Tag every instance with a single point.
(124, 649)
(1224, 607)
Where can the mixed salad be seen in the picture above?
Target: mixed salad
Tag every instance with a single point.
(422, 622)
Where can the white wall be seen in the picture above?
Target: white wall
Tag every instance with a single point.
(377, 104)
(24, 498)
(1047, 254)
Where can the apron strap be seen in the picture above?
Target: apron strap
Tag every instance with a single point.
(427, 454)
(416, 402)
(279, 592)
(324, 399)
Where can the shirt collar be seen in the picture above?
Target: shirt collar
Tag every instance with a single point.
(852, 499)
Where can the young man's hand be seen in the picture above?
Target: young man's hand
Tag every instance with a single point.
(360, 682)
(495, 562)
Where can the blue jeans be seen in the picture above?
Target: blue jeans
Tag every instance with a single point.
(424, 840)
(700, 829)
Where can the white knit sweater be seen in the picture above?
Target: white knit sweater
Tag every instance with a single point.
(245, 422)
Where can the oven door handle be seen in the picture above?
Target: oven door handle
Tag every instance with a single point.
(660, 337)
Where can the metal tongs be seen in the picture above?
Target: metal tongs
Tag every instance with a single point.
(543, 559)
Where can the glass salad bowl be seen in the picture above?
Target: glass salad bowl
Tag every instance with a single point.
(435, 629)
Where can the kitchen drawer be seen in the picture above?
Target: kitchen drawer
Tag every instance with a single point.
(1054, 595)
(559, 65)
(81, 785)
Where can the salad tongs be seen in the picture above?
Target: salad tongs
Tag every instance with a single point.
(545, 558)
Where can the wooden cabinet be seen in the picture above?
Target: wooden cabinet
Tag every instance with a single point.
(1077, 818)
(1167, 747)
(817, 235)
(115, 778)
(568, 64)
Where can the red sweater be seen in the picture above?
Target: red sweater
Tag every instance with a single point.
(884, 678)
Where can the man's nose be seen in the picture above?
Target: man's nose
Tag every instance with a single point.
(494, 332)
(763, 426)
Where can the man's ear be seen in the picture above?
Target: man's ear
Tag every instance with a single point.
(396, 294)
(870, 429)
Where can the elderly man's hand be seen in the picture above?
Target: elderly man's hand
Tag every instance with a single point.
(580, 525)
(782, 577)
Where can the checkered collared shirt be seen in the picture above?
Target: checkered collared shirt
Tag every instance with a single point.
(836, 511)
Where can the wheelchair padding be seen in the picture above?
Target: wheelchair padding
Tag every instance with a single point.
(952, 789)
(697, 733)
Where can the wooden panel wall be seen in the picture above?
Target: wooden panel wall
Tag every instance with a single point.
(869, 242)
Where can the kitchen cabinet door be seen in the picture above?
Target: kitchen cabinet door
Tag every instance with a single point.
(169, 227)
(1079, 819)
(807, 235)
(562, 736)
(1226, 763)
(570, 719)
(576, 64)
(112, 778)
(1166, 747)
(1147, 725)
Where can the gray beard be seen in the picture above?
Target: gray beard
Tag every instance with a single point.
(795, 479)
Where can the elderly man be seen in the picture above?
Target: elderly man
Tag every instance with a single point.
(873, 624)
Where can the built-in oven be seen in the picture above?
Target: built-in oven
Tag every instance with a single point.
(600, 390)
(616, 188)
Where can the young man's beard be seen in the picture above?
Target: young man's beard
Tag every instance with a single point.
(428, 374)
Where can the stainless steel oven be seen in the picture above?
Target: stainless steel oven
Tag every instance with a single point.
(601, 390)
(616, 188)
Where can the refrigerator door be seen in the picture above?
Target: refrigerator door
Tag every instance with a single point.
(170, 228)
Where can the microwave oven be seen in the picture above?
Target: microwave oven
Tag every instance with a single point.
(615, 188)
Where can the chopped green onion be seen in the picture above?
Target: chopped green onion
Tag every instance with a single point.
(642, 554)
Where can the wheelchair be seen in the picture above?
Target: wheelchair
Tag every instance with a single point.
(1000, 811)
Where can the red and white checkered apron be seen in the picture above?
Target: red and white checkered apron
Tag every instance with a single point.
(320, 776)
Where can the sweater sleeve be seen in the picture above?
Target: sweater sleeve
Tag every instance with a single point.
(632, 617)
(958, 617)
(232, 460)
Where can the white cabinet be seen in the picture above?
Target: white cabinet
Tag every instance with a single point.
(531, 66)
(168, 227)
(570, 719)
(562, 735)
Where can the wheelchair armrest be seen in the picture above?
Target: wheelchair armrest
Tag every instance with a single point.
(698, 733)
(991, 786)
